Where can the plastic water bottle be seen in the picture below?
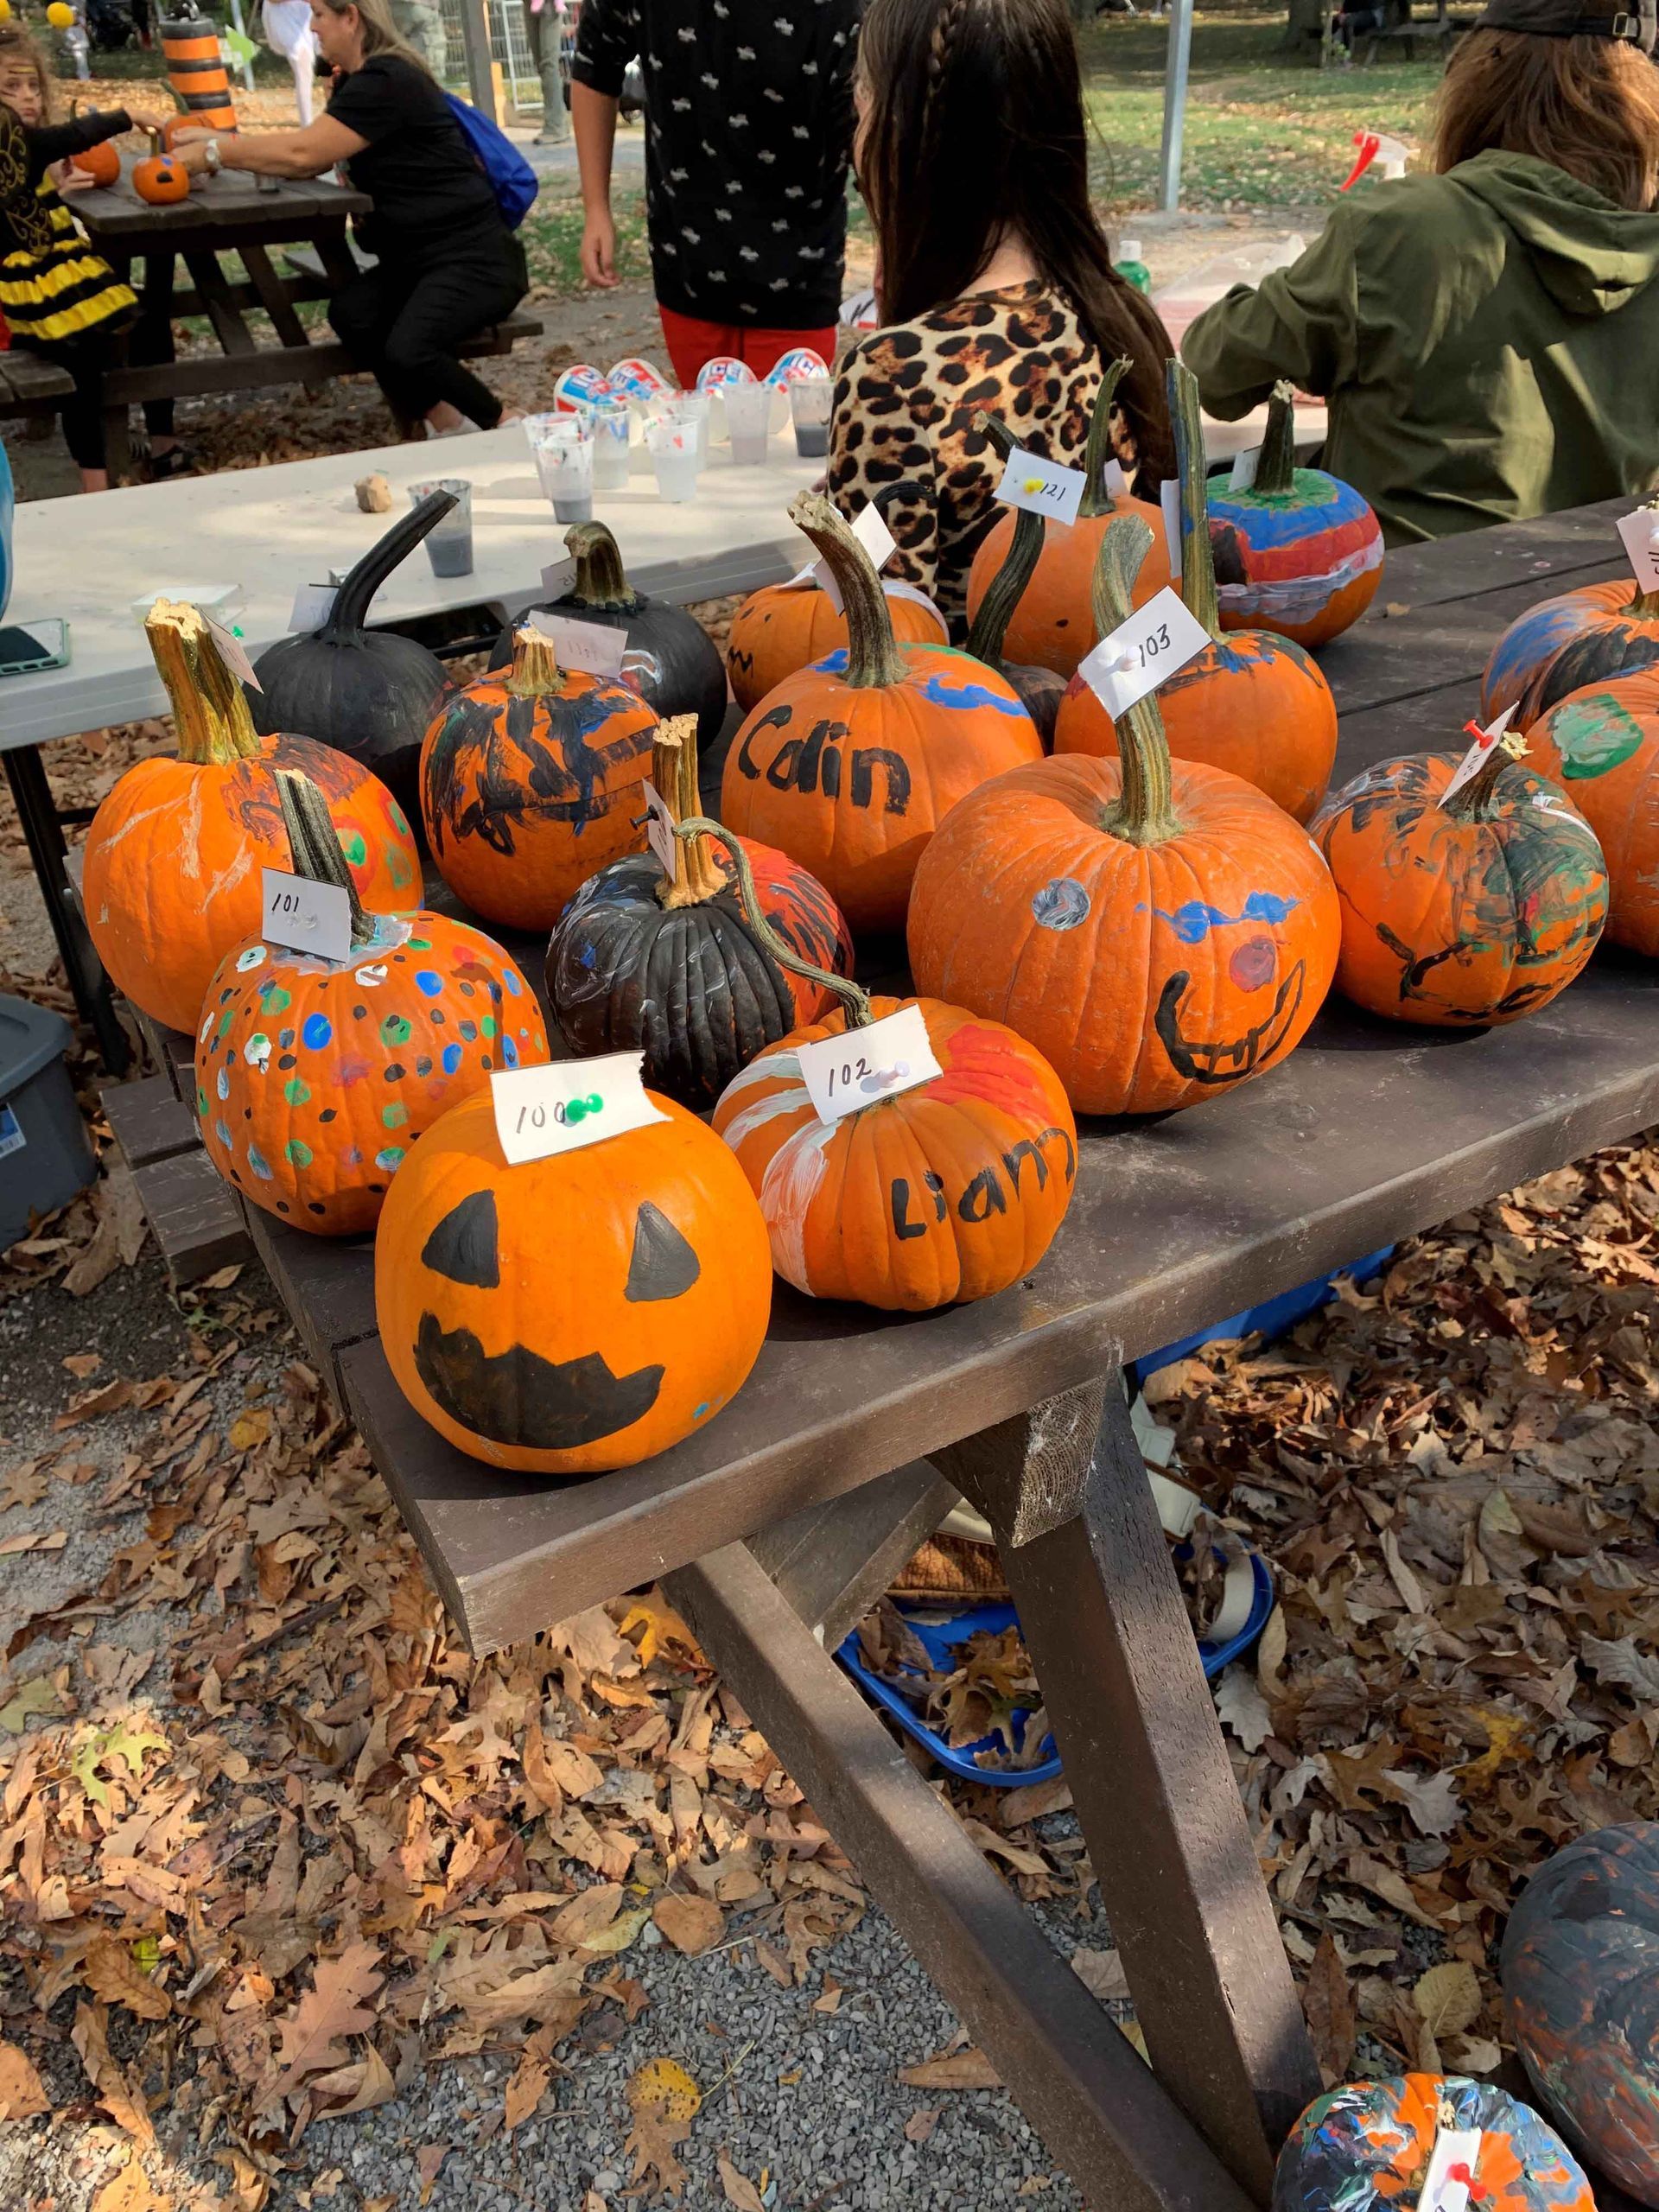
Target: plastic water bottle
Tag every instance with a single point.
(1131, 268)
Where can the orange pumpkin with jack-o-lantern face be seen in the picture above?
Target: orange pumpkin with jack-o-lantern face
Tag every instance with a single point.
(577, 1312)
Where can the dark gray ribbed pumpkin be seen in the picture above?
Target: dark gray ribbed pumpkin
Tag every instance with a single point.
(369, 693)
(672, 663)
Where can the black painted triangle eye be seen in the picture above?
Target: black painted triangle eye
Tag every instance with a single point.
(663, 1264)
(463, 1246)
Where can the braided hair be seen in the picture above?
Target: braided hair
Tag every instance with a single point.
(974, 131)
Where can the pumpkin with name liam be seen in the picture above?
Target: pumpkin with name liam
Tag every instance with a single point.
(314, 1077)
(850, 765)
(577, 1312)
(930, 1197)
(1601, 746)
(1159, 930)
(174, 854)
(1365, 2147)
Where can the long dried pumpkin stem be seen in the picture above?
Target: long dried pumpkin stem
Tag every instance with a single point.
(1145, 811)
(314, 845)
(1198, 566)
(1096, 499)
(851, 994)
(210, 708)
(697, 875)
(1006, 587)
(873, 659)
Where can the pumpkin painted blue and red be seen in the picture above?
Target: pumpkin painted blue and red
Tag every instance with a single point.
(1296, 551)
(1365, 2147)
(1567, 644)
(1580, 1972)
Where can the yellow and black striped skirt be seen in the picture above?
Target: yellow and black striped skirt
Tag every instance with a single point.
(67, 289)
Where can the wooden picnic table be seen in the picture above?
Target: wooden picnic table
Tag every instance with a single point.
(775, 1526)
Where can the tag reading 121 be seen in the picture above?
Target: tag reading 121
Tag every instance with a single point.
(591, 646)
(570, 1103)
(1042, 487)
(860, 1066)
(306, 917)
(1640, 533)
(1143, 652)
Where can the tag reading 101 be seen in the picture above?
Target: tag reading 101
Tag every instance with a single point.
(860, 1067)
(570, 1103)
(305, 917)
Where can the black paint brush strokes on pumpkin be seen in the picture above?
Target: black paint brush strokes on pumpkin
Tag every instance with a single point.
(554, 776)
(517, 1398)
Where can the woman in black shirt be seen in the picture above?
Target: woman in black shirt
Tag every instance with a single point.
(447, 264)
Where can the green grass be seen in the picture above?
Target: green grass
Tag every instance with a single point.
(1262, 129)
(552, 240)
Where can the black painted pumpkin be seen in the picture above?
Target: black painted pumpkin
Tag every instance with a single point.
(369, 693)
(1040, 690)
(1580, 1972)
(671, 661)
(673, 966)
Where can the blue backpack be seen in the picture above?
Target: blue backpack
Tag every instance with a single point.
(513, 181)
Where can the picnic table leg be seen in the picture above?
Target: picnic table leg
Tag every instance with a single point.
(1065, 1489)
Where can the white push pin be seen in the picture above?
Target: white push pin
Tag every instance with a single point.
(884, 1079)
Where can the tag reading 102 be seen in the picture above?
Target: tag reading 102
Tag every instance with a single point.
(570, 1103)
(860, 1067)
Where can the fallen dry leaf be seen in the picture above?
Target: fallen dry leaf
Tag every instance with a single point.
(119, 2096)
(1448, 1997)
(922, 2123)
(530, 2079)
(111, 1973)
(662, 2084)
(21, 2092)
(691, 1923)
(739, 2191)
(957, 2069)
(312, 2038)
(128, 2190)
(1101, 1973)
(1328, 2004)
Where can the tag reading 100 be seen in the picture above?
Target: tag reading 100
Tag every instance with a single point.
(569, 1103)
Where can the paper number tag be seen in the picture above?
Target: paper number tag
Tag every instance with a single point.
(558, 578)
(306, 917)
(659, 831)
(845, 1073)
(1116, 482)
(878, 541)
(1143, 652)
(539, 1111)
(1478, 755)
(234, 653)
(1170, 493)
(1042, 487)
(1244, 467)
(312, 605)
(1640, 533)
(591, 646)
(1452, 2169)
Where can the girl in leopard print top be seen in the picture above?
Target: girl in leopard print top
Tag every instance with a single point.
(995, 283)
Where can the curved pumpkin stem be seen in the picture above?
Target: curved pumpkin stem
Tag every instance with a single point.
(1197, 565)
(1474, 802)
(601, 580)
(852, 995)
(210, 708)
(1008, 586)
(1145, 812)
(1096, 499)
(535, 672)
(873, 660)
(1275, 469)
(350, 610)
(674, 772)
(314, 845)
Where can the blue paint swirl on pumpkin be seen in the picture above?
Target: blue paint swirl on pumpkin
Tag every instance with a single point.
(1193, 922)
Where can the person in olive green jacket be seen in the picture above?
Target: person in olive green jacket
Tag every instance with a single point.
(1486, 337)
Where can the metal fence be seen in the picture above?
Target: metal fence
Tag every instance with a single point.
(508, 47)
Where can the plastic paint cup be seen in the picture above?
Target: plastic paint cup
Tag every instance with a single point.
(748, 422)
(564, 446)
(449, 542)
(612, 421)
(690, 407)
(809, 400)
(673, 449)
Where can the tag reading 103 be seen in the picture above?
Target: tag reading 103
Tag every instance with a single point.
(570, 1103)
(860, 1067)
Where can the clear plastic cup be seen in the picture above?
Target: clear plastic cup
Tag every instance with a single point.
(672, 445)
(690, 407)
(449, 542)
(613, 426)
(564, 446)
(748, 422)
(809, 400)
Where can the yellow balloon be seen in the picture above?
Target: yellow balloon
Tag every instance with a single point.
(5, 11)
(59, 17)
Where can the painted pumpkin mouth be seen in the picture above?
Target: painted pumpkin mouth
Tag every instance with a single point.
(1228, 1059)
(517, 1398)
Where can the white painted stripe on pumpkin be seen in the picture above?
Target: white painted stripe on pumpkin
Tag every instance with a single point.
(764, 1110)
(787, 1190)
(1298, 599)
(770, 1067)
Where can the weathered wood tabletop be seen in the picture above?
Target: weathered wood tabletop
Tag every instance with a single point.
(778, 1523)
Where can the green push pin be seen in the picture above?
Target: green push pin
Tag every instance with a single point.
(578, 1109)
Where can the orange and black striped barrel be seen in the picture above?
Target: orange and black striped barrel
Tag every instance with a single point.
(191, 45)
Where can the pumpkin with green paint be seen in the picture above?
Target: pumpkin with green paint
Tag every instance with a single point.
(315, 1076)
(1601, 745)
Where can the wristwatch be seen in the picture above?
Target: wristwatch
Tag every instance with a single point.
(210, 160)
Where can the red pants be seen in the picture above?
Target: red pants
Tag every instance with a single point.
(690, 343)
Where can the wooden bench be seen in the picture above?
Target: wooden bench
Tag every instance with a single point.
(30, 385)
(1405, 29)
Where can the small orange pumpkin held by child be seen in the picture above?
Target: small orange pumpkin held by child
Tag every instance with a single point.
(315, 1076)
(100, 163)
(1252, 701)
(161, 178)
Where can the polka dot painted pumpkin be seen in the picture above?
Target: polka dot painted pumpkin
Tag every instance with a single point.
(1580, 1971)
(531, 779)
(1463, 911)
(1160, 931)
(1254, 703)
(1602, 746)
(1298, 551)
(313, 1078)
(850, 765)
(175, 853)
(1365, 2147)
(574, 1313)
